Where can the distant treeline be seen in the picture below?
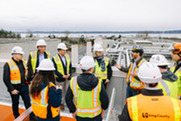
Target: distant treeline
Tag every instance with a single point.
(9, 34)
(111, 32)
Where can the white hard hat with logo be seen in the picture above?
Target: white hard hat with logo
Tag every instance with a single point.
(46, 65)
(41, 42)
(149, 73)
(98, 47)
(17, 50)
(87, 62)
(62, 46)
(159, 60)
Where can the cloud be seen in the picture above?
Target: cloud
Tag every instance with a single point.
(20, 15)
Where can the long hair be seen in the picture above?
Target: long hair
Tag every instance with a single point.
(41, 76)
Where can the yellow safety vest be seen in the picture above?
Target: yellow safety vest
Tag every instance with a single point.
(88, 103)
(135, 84)
(40, 104)
(15, 74)
(169, 88)
(98, 72)
(178, 74)
(34, 59)
(59, 64)
(154, 108)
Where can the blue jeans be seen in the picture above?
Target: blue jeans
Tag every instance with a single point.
(130, 92)
(24, 93)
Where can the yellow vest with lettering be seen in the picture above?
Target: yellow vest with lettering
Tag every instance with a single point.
(154, 108)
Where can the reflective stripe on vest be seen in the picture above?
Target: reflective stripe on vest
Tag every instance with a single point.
(40, 104)
(178, 74)
(83, 108)
(153, 108)
(135, 84)
(34, 59)
(176, 109)
(59, 64)
(98, 72)
(165, 87)
(15, 75)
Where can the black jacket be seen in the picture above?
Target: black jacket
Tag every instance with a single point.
(109, 69)
(30, 74)
(87, 82)
(6, 76)
(169, 76)
(60, 76)
(125, 114)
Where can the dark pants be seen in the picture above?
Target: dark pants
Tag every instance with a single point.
(105, 84)
(24, 93)
(97, 118)
(52, 119)
(131, 92)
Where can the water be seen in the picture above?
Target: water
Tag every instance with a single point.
(98, 34)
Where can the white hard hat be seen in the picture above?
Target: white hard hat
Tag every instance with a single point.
(41, 42)
(62, 46)
(159, 60)
(149, 73)
(98, 47)
(46, 65)
(17, 50)
(87, 62)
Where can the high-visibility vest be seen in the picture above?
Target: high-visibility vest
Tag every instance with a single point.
(15, 74)
(178, 74)
(135, 84)
(169, 88)
(98, 72)
(154, 108)
(40, 104)
(34, 59)
(59, 64)
(88, 103)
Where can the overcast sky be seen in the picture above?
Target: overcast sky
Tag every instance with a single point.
(90, 15)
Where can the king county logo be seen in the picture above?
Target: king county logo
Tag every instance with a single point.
(148, 115)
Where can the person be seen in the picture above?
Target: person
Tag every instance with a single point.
(103, 68)
(88, 92)
(35, 58)
(46, 97)
(134, 84)
(176, 56)
(14, 73)
(151, 104)
(63, 67)
(169, 82)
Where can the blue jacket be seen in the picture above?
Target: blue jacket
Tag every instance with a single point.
(60, 79)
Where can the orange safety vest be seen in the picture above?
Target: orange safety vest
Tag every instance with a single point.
(154, 108)
(15, 75)
(40, 104)
(135, 84)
